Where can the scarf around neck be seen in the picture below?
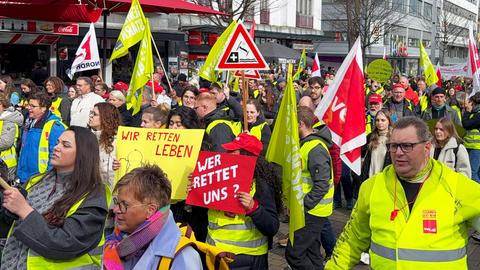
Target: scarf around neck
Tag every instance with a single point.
(122, 246)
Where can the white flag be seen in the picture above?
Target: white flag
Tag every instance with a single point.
(316, 67)
(86, 57)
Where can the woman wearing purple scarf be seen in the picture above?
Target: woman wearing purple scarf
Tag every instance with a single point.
(145, 231)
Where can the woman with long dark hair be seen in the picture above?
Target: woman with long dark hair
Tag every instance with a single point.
(60, 105)
(60, 222)
(28, 87)
(104, 121)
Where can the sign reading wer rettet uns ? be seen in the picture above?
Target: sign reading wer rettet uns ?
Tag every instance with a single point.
(218, 177)
(173, 150)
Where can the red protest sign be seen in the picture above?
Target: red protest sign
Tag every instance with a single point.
(218, 177)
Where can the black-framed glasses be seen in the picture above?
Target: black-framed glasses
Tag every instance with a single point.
(123, 206)
(405, 147)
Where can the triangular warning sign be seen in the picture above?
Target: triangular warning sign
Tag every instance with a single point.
(251, 74)
(241, 52)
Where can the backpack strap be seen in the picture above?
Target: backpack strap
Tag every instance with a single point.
(165, 263)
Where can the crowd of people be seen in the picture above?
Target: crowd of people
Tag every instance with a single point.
(58, 149)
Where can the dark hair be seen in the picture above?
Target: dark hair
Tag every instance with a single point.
(58, 84)
(190, 88)
(110, 119)
(85, 179)
(316, 79)
(147, 183)
(423, 133)
(88, 81)
(216, 86)
(257, 105)
(375, 137)
(159, 113)
(305, 115)
(188, 115)
(10, 86)
(44, 100)
(30, 84)
(104, 86)
(271, 173)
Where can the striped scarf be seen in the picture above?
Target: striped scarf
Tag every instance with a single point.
(120, 245)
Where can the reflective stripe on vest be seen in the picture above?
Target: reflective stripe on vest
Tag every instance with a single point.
(430, 236)
(90, 260)
(418, 255)
(472, 138)
(257, 130)
(235, 128)
(9, 156)
(238, 234)
(325, 207)
(43, 146)
(55, 107)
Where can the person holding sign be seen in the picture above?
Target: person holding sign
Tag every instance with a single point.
(145, 233)
(249, 236)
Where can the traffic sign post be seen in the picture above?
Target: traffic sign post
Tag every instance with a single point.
(250, 74)
(244, 101)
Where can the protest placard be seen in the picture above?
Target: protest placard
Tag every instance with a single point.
(218, 177)
(173, 150)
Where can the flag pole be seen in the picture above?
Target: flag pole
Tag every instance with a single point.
(4, 184)
(244, 101)
(161, 62)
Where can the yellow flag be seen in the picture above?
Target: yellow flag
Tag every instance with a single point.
(302, 63)
(427, 66)
(208, 69)
(132, 31)
(284, 149)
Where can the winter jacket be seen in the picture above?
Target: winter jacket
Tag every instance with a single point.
(127, 118)
(232, 107)
(10, 118)
(367, 159)
(28, 157)
(319, 165)
(218, 133)
(407, 109)
(449, 113)
(81, 107)
(455, 156)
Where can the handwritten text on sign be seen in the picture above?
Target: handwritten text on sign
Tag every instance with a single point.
(173, 150)
(218, 177)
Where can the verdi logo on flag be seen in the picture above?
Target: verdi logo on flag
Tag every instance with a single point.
(132, 31)
(207, 71)
(343, 110)
(285, 134)
(86, 57)
(427, 66)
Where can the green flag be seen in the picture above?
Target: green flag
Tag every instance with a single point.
(132, 31)
(208, 69)
(427, 66)
(142, 71)
(284, 149)
(302, 63)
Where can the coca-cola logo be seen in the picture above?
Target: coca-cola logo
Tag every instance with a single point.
(66, 29)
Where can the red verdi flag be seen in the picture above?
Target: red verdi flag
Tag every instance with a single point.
(473, 63)
(343, 108)
(316, 67)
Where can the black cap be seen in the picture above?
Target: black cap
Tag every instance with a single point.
(182, 77)
(437, 91)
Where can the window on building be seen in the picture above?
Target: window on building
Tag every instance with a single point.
(304, 7)
(399, 5)
(420, 7)
(427, 11)
(413, 8)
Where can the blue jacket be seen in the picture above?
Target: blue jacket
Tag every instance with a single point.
(28, 158)
(164, 245)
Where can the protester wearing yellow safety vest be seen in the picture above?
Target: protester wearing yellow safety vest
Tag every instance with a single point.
(219, 127)
(61, 220)
(60, 104)
(10, 122)
(225, 102)
(375, 104)
(415, 214)
(471, 123)
(317, 178)
(257, 126)
(398, 105)
(249, 236)
(40, 134)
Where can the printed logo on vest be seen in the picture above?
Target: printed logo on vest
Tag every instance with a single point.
(429, 221)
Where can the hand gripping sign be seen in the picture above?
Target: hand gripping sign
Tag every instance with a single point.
(218, 177)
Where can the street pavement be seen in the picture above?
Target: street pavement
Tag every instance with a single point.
(276, 257)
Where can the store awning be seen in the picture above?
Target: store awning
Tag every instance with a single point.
(90, 11)
(29, 39)
(273, 51)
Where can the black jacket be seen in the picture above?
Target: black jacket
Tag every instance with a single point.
(319, 166)
(221, 133)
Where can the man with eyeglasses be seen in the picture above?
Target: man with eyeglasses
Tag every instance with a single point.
(415, 214)
(398, 105)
